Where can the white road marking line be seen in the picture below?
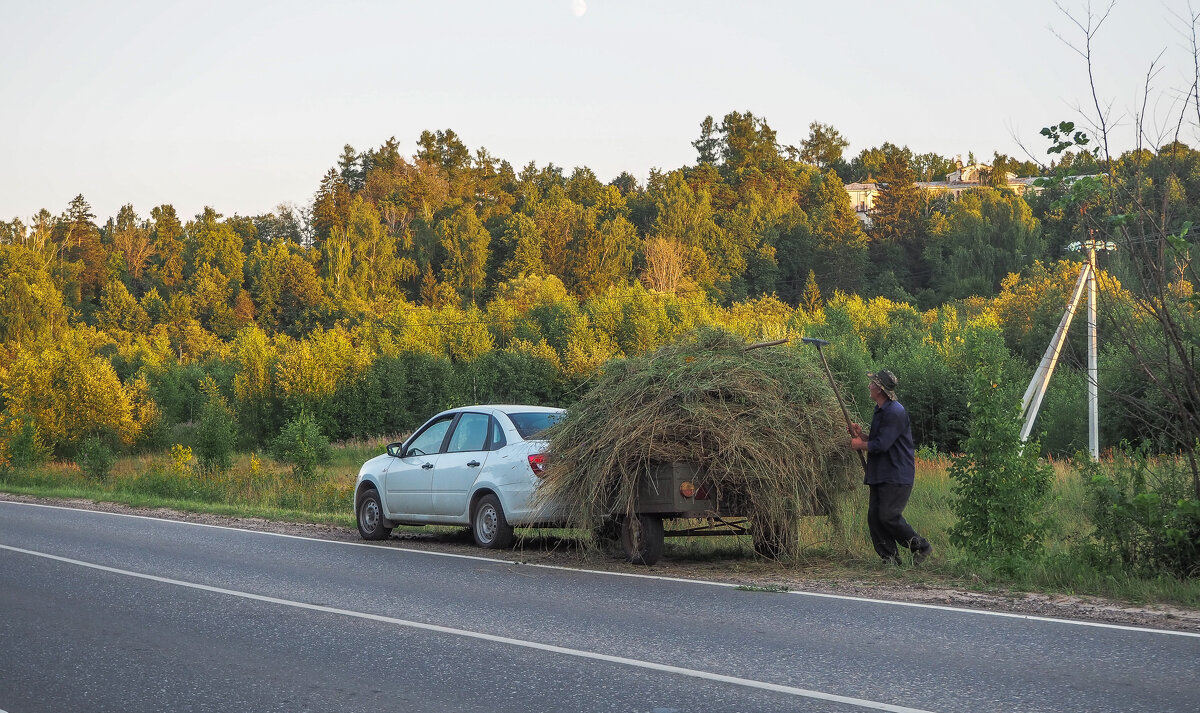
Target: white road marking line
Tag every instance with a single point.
(495, 560)
(578, 653)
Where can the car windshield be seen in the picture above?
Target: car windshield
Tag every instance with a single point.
(531, 424)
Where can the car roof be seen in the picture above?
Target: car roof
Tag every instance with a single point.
(507, 408)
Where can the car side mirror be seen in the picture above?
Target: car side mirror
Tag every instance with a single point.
(395, 450)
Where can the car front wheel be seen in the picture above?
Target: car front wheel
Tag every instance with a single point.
(488, 525)
(370, 517)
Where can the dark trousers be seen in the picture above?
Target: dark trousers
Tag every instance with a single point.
(885, 518)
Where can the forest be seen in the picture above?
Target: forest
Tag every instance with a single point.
(414, 283)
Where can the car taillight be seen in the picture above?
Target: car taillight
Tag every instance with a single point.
(537, 462)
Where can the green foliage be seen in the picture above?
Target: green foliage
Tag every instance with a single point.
(986, 234)
(95, 458)
(176, 387)
(514, 376)
(1061, 139)
(824, 145)
(31, 306)
(1145, 515)
(301, 444)
(999, 485)
(69, 389)
(25, 446)
(216, 433)
(935, 392)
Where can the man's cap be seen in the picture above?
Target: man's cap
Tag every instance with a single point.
(885, 380)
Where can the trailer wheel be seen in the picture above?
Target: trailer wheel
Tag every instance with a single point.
(642, 538)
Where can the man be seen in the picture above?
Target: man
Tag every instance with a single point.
(891, 470)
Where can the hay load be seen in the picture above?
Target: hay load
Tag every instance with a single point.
(762, 428)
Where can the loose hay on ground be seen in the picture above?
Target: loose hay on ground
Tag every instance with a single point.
(762, 426)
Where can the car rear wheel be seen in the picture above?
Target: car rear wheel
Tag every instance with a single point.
(642, 538)
(370, 517)
(488, 525)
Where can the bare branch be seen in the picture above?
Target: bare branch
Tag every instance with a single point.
(1141, 120)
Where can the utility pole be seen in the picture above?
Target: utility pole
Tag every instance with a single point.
(1092, 245)
(1032, 400)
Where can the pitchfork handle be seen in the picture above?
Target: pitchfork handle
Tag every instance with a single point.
(845, 414)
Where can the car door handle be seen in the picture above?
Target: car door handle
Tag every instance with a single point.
(473, 464)
(426, 466)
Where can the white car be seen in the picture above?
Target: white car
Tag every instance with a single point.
(476, 466)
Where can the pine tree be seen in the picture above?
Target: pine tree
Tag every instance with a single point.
(811, 300)
(898, 229)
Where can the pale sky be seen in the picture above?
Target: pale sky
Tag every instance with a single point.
(244, 105)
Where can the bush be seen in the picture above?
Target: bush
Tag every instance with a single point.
(216, 434)
(935, 394)
(25, 447)
(155, 436)
(511, 377)
(999, 483)
(302, 444)
(95, 458)
(1144, 517)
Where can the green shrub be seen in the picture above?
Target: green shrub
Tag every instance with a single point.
(302, 444)
(25, 447)
(154, 437)
(1000, 485)
(1145, 517)
(216, 433)
(95, 458)
(935, 394)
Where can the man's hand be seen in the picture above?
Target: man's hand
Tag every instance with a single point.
(856, 430)
(858, 443)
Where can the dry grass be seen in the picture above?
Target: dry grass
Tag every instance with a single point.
(763, 427)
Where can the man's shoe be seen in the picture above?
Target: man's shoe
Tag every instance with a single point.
(894, 560)
(922, 554)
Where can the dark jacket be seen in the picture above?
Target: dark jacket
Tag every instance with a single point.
(890, 454)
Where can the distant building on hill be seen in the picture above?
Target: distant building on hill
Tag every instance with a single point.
(862, 195)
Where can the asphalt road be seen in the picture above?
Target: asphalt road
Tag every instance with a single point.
(103, 612)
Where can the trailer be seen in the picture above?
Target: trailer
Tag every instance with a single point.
(673, 492)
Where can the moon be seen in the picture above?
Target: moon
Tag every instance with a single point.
(579, 7)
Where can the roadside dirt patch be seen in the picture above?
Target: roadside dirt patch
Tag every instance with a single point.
(747, 572)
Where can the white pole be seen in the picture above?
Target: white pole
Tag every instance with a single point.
(1093, 375)
(1041, 378)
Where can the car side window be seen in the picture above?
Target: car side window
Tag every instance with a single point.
(430, 440)
(497, 441)
(471, 433)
